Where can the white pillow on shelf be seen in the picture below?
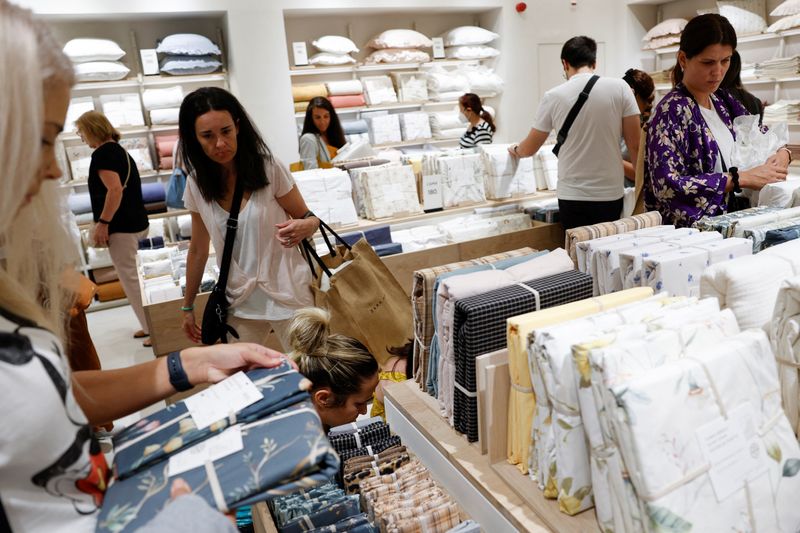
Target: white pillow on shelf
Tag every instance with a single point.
(83, 50)
(746, 16)
(479, 51)
(661, 42)
(165, 116)
(668, 27)
(335, 44)
(786, 9)
(328, 59)
(398, 55)
(468, 35)
(400, 38)
(189, 44)
(100, 71)
(785, 23)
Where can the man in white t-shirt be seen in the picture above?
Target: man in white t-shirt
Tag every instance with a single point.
(590, 174)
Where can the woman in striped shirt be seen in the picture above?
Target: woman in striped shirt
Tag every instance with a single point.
(481, 126)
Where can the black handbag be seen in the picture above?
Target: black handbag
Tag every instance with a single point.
(215, 316)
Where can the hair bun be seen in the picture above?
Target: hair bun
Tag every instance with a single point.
(309, 330)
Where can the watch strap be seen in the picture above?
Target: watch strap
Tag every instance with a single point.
(177, 375)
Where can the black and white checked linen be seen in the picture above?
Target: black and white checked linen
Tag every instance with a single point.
(365, 436)
(372, 449)
(479, 327)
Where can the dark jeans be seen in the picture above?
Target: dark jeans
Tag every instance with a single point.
(576, 213)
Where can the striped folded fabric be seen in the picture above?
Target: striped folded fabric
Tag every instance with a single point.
(281, 454)
(367, 436)
(480, 327)
(372, 449)
(585, 233)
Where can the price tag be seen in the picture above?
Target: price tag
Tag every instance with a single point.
(212, 449)
(438, 48)
(431, 191)
(149, 61)
(219, 401)
(300, 53)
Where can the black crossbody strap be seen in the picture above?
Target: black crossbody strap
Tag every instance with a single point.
(230, 236)
(573, 114)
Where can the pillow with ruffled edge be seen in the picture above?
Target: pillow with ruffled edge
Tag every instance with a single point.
(668, 27)
(399, 38)
(746, 16)
(786, 9)
(335, 44)
(785, 23)
(188, 44)
(83, 50)
(398, 55)
(183, 65)
(463, 35)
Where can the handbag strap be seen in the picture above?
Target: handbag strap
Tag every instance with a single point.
(573, 113)
(128, 175)
(230, 236)
(311, 255)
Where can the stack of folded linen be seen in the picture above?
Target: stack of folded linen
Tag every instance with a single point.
(347, 93)
(399, 46)
(388, 190)
(506, 176)
(165, 149)
(122, 109)
(333, 50)
(782, 111)
(379, 90)
(664, 34)
(444, 84)
(469, 42)
(778, 68)
(481, 79)
(163, 105)
(188, 53)
(77, 107)
(447, 125)
(329, 194)
(303, 92)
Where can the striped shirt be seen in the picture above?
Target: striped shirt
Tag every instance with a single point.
(478, 134)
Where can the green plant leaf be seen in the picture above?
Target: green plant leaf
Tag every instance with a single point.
(566, 485)
(791, 467)
(665, 521)
(774, 451)
(564, 425)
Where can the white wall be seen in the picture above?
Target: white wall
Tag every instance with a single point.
(259, 61)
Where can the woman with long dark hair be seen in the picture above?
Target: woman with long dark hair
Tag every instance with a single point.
(690, 139)
(322, 134)
(644, 90)
(481, 126)
(268, 277)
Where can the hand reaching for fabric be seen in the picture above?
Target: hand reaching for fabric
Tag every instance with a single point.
(756, 178)
(211, 364)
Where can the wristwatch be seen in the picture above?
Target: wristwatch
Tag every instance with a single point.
(177, 375)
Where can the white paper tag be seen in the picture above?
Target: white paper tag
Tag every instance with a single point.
(300, 53)
(431, 191)
(212, 449)
(149, 61)
(219, 401)
(733, 449)
(438, 47)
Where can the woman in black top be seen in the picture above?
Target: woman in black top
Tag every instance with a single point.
(119, 213)
(732, 82)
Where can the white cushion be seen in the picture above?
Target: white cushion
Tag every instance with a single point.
(326, 58)
(746, 16)
(482, 79)
(786, 9)
(181, 65)
(189, 44)
(344, 87)
(100, 71)
(468, 35)
(400, 39)
(398, 55)
(668, 27)
(785, 23)
(162, 98)
(479, 51)
(165, 116)
(83, 50)
(335, 44)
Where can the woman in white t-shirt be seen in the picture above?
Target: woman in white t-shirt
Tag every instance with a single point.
(268, 278)
(52, 474)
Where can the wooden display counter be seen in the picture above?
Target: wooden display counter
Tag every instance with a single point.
(491, 492)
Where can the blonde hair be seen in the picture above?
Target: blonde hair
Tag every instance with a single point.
(335, 361)
(97, 126)
(35, 244)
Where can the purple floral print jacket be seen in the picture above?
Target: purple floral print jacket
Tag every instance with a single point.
(679, 177)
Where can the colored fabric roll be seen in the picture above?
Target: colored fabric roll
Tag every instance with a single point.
(355, 126)
(352, 238)
(80, 202)
(156, 437)
(779, 236)
(107, 292)
(282, 453)
(336, 511)
(153, 192)
(349, 100)
(307, 91)
(367, 436)
(165, 144)
(585, 233)
(353, 426)
(388, 249)
(379, 235)
(165, 163)
(344, 87)
(371, 449)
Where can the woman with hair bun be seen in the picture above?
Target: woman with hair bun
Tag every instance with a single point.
(343, 372)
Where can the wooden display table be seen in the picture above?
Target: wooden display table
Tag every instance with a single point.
(491, 493)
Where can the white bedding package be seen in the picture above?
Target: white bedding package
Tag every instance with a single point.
(388, 190)
(329, 194)
(784, 333)
(506, 176)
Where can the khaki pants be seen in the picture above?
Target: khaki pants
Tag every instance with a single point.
(122, 247)
(258, 331)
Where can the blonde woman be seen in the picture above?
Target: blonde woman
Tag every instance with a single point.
(343, 372)
(53, 477)
(120, 217)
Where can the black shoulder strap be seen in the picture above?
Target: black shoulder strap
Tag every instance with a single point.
(573, 113)
(230, 236)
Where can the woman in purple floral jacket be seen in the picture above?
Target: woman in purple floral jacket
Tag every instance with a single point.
(685, 177)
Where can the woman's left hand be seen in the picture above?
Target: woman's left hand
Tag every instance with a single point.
(779, 159)
(100, 235)
(211, 364)
(292, 232)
